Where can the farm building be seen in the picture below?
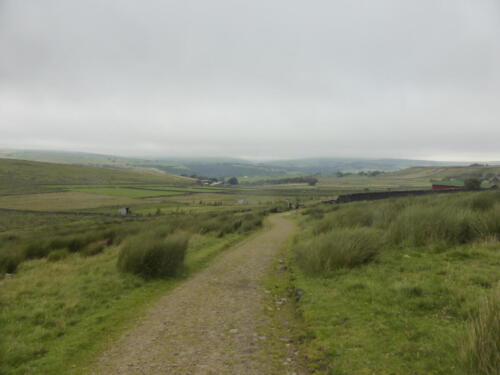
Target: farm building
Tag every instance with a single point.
(494, 181)
(446, 186)
(456, 185)
(124, 211)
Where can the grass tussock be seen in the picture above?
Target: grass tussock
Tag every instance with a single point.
(348, 247)
(153, 257)
(481, 347)
(438, 222)
(421, 225)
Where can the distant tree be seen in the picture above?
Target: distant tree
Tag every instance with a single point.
(233, 181)
(312, 181)
(472, 184)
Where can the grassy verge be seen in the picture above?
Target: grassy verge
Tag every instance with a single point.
(411, 305)
(56, 316)
(282, 329)
(404, 314)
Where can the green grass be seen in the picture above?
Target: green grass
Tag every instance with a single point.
(154, 255)
(349, 248)
(128, 192)
(481, 345)
(20, 176)
(58, 314)
(403, 314)
(405, 179)
(404, 310)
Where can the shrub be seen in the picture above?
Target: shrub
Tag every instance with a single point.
(152, 257)
(233, 181)
(349, 247)
(56, 255)
(481, 348)
(472, 184)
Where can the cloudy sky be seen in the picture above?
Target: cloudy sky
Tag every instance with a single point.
(258, 79)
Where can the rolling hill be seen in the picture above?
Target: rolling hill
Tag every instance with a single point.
(449, 172)
(28, 176)
(227, 167)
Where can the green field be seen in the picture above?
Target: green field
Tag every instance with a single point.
(120, 191)
(19, 176)
(406, 179)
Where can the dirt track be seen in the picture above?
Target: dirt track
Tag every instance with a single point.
(212, 323)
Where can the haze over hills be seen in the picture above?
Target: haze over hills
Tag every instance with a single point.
(224, 167)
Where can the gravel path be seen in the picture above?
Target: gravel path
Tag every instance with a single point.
(211, 324)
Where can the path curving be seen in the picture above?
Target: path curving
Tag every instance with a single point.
(210, 323)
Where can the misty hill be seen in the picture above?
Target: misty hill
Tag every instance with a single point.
(26, 176)
(225, 167)
(333, 165)
(450, 172)
(83, 158)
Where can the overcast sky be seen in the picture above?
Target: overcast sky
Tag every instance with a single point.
(258, 79)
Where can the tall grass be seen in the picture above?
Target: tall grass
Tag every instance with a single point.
(420, 225)
(481, 348)
(90, 239)
(348, 247)
(152, 257)
(435, 256)
(352, 234)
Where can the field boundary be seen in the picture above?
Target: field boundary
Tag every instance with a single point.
(78, 213)
(357, 197)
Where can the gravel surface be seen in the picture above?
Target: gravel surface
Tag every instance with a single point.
(212, 323)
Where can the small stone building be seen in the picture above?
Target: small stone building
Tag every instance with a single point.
(124, 211)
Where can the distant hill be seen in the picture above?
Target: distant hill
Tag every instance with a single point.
(334, 165)
(450, 172)
(226, 167)
(209, 167)
(82, 158)
(26, 176)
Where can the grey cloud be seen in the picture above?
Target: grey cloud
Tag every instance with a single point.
(277, 78)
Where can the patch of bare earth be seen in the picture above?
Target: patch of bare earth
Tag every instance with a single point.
(212, 323)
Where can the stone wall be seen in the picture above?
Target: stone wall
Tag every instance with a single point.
(370, 196)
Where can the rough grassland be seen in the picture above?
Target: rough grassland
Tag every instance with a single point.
(128, 192)
(405, 309)
(61, 201)
(19, 176)
(401, 315)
